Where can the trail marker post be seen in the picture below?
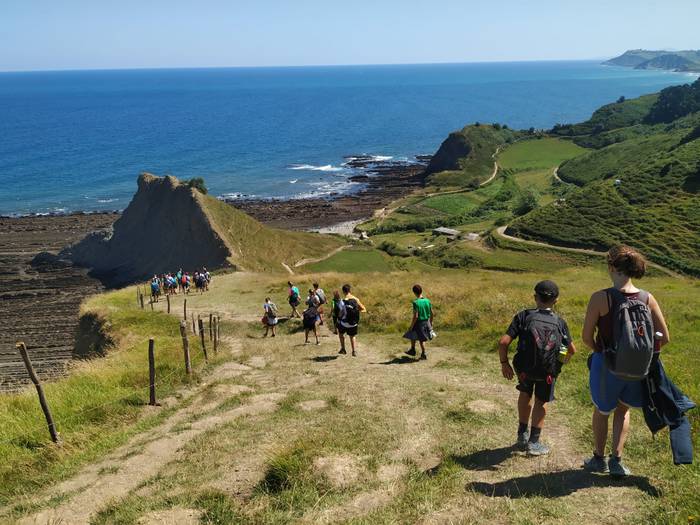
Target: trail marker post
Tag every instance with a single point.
(40, 391)
(152, 372)
(167, 300)
(184, 309)
(185, 347)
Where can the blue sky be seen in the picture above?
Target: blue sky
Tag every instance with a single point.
(82, 34)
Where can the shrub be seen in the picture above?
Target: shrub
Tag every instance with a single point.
(198, 184)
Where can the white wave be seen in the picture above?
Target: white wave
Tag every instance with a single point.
(105, 201)
(311, 167)
(381, 158)
(293, 181)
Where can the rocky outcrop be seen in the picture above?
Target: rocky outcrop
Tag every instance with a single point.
(163, 228)
(455, 147)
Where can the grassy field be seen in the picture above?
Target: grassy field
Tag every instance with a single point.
(545, 153)
(276, 432)
(352, 261)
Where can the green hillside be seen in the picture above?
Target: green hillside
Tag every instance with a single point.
(642, 190)
(466, 157)
(688, 60)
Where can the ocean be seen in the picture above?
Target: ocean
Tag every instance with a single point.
(77, 140)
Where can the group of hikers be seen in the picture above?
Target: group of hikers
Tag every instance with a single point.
(345, 311)
(624, 327)
(179, 282)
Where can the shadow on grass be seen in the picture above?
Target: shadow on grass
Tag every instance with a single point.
(558, 484)
(323, 358)
(487, 459)
(403, 360)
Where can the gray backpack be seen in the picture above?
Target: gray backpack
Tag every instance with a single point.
(632, 345)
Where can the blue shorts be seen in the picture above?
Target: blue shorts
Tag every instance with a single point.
(607, 389)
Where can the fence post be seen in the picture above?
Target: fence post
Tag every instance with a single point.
(138, 295)
(151, 372)
(185, 347)
(40, 391)
(215, 320)
(201, 337)
(218, 328)
(152, 304)
(194, 328)
(141, 300)
(167, 299)
(184, 309)
(211, 334)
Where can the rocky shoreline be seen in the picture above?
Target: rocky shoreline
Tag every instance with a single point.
(383, 182)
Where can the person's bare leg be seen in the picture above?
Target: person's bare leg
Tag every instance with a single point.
(273, 330)
(422, 348)
(600, 431)
(539, 411)
(316, 333)
(342, 341)
(524, 408)
(352, 343)
(621, 426)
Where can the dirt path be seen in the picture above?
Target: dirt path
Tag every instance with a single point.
(378, 426)
(501, 231)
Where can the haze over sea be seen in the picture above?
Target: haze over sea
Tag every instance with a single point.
(76, 140)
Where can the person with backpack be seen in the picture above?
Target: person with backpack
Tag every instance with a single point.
(421, 329)
(544, 342)
(269, 316)
(321, 295)
(335, 310)
(294, 299)
(624, 326)
(350, 308)
(310, 321)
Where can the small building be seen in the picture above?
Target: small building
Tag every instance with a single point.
(448, 232)
(472, 236)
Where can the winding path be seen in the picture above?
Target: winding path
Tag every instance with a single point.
(502, 233)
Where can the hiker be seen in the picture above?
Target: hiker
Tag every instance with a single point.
(421, 329)
(294, 299)
(544, 343)
(179, 276)
(621, 325)
(321, 295)
(310, 321)
(350, 308)
(335, 310)
(155, 289)
(207, 278)
(312, 300)
(269, 316)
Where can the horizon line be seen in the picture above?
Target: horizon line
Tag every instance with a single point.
(292, 66)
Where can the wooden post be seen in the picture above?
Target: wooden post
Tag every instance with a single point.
(211, 335)
(185, 347)
(218, 328)
(151, 372)
(138, 295)
(215, 320)
(201, 337)
(184, 309)
(167, 299)
(151, 304)
(141, 300)
(194, 327)
(39, 390)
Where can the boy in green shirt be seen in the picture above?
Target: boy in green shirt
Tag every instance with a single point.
(422, 324)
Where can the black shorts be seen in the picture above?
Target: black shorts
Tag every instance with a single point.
(543, 390)
(345, 330)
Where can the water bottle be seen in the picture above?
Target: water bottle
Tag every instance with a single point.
(563, 352)
(658, 336)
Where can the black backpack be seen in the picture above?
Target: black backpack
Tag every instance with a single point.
(309, 316)
(352, 312)
(632, 347)
(538, 345)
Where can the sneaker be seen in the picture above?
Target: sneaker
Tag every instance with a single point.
(537, 448)
(423, 357)
(412, 351)
(596, 464)
(522, 440)
(617, 468)
(342, 351)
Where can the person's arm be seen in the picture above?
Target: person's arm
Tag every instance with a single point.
(659, 321)
(591, 320)
(503, 344)
(362, 306)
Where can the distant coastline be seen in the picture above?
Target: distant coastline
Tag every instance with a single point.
(642, 59)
